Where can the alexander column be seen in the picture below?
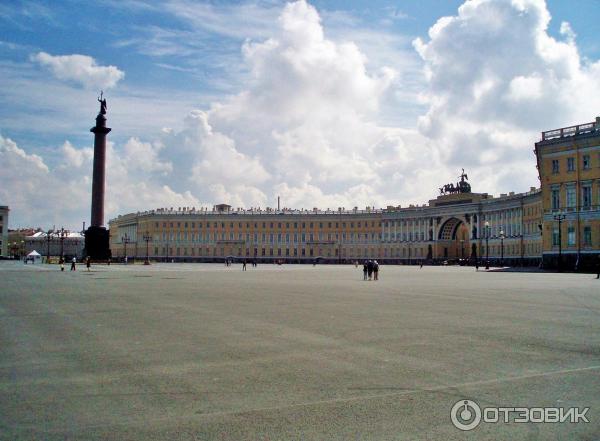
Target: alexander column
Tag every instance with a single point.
(96, 236)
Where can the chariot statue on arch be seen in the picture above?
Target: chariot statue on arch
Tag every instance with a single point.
(461, 186)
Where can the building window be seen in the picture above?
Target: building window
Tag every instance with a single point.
(555, 198)
(571, 236)
(586, 162)
(555, 166)
(571, 196)
(587, 235)
(586, 196)
(570, 164)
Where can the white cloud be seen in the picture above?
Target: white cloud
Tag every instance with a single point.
(81, 69)
(144, 156)
(304, 124)
(39, 195)
(74, 157)
(496, 78)
(33, 191)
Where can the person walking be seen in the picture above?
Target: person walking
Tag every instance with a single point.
(61, 262)
(73, 261)
(244, 265)
(476, 264)
(88, 263)
(365, 270)
(370, 269)
(376, 270)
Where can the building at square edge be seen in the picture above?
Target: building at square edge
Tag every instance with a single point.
(510, 229)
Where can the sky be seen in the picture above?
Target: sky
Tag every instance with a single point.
(326, 103)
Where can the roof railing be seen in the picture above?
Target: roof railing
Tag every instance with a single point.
(569, 131)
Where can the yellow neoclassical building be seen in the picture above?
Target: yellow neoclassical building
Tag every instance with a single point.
(458, 225)
(452, 227)
(568, 160)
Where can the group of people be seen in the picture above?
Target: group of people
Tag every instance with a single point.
(88, 263)
(252, 262)
(371, 270)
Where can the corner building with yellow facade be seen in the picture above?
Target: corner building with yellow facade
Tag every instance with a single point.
(457, 226)
(568, 161)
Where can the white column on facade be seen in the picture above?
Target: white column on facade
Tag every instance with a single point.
(401, 229)
(470, 226)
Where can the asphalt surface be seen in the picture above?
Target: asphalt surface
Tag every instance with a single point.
(204, 352)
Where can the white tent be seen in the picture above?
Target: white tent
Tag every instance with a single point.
(33, 256)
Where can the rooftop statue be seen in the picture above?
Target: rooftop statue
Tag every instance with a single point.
(461, 186)
(102, 102)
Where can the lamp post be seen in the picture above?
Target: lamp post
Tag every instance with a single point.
(559, 218)
(62, 234)
(147, 238)
(501, 247)
(125, 240)
(48, 239)
(487, 245)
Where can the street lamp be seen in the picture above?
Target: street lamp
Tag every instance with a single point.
(487, 245)
(125, 240)
(48, 239)
(559, 218)
(501, 247)
(147, 238)
(62, 234)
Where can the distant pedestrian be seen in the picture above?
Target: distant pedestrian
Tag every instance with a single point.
(125, 260)
(375, 270)
(365, 270)
(370, 269)
(73, 262)
(421, 262)
(244, 265)
(109, 260)
(598, 276)
(88, 263)
(61, 262)
(476, 264)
